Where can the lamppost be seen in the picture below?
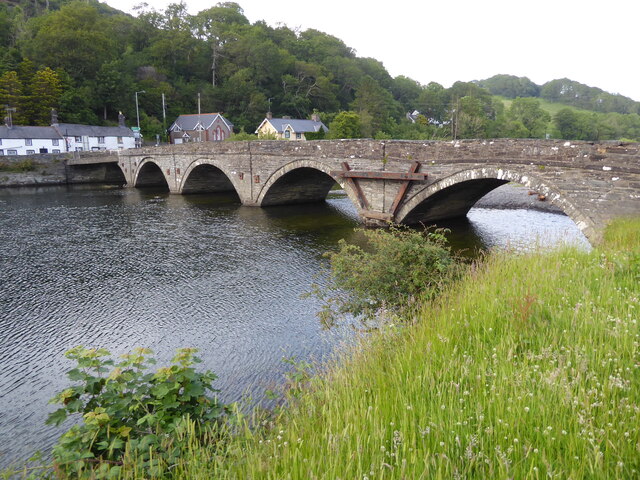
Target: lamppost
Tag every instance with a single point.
(137, 112)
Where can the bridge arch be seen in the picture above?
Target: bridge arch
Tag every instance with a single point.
(453, 196)
(149, 174)
(300, 181)
(205, 175)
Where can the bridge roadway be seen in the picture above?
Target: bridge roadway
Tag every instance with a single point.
(401, 181)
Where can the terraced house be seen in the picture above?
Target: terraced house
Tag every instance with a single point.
(63, 137)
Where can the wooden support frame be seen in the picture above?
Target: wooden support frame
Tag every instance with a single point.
(403, 189)
(352, 176)
(364, 205)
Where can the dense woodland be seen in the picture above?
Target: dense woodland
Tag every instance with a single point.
(87, 60)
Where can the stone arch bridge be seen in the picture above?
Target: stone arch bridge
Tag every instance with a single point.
(401, 181)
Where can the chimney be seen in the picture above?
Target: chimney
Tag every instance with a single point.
(315, 117)
(269, 115)
(121, 119)
(54, 117)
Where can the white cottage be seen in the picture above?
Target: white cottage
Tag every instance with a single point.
(21, 140)
(63, 137)
(84, 138)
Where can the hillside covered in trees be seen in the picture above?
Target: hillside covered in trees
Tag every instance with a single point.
(88, 60)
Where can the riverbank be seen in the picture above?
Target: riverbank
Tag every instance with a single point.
(526, 369)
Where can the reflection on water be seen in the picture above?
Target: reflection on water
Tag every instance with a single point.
(122, 268)
(513, 229)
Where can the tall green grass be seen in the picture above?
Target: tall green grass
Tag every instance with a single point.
(529, 368)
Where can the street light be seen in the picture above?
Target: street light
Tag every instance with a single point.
(137, 112)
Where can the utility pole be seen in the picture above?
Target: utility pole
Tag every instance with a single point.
(164, 119)
(138, 135)
(199, 120)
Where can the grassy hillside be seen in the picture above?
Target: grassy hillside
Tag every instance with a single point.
(551, 107)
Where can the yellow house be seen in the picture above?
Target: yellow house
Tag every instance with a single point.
(289, 128)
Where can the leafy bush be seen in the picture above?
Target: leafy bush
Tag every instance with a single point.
(132, 414)
(396, 267)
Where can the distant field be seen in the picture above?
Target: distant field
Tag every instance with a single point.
(551, 107)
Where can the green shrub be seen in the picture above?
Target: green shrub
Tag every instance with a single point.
(395, 268)
(131, 415)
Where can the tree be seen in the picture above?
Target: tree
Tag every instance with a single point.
(375, 105)
(407, 92)
(574, 125)
(345, 125)
(470, 118)
(73, 38)
(434, 103)
(46, 90)
(11, 95)
(214, 26)
(510, 86)
(527, 113)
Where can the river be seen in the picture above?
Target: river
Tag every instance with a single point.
(121, 268)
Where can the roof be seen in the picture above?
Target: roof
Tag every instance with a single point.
(77, 130)
(19, 132)
(296, 125)
(190, 121)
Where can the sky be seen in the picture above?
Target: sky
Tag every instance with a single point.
(592, 42)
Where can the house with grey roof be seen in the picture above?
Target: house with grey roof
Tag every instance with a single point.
(63, 137)
(24, 140)
(83, 138)
(287, 128)
(200, 127)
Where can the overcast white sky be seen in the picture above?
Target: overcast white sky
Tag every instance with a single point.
(592, 42)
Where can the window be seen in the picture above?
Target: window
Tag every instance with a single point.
(78, 149)
(28, 142)
(55, 151)
(0, 141)
(100, 139)
(1, 152)
(78, 139)
(119, 140)
(95, 149)
(12, 152)
(298, 136)
(30, 152)
(287, 134)
(55, 141)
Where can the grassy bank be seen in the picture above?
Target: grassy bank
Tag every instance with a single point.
(529, 368)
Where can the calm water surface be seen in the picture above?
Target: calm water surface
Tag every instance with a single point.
(122, 268)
